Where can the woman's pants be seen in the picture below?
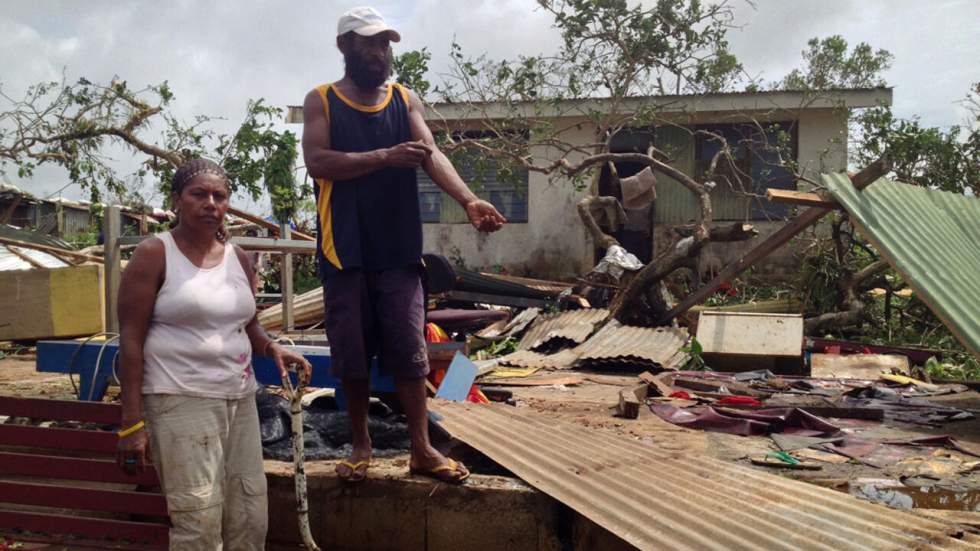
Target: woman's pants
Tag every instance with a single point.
(208, 453)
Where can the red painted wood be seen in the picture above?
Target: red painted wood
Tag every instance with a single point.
(59, 439)
(61, 410)
(89, 499)
(142, 532)
(72, 468)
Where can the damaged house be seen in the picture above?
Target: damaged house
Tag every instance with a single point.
(545, 236)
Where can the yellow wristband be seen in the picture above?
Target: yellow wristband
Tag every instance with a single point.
(126, 432)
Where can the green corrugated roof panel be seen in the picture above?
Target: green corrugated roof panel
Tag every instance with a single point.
(931, 237)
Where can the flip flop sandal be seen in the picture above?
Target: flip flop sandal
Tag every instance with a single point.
(445, 473)
(354, 470)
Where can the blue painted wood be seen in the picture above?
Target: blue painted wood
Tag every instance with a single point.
(65, 356)
(458, 380)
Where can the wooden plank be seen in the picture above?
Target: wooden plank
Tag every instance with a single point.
(286, 283)
(112, 229)
(656, 384)
(51, 303)
(72, 468)
(60, 410)
(712, 385)
(630, 400)
(57, 542)
(49, 249)
(89, 499)
(97, 528)
(568, 380)
(802, 198)
(59, 439)
(274, 245)
(259, 221)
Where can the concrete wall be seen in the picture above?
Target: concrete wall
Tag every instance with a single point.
(554, 244)
(392, 512)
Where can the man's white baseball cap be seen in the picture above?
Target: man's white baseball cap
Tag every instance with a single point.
(365, 21)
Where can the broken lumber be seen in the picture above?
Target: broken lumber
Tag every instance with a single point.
(715, 386)
(656, 384)
(802, 221)
(802, 198)
(630, 400)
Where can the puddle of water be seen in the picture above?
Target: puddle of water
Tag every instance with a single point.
(895, 494)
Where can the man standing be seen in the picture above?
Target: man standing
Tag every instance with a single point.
(363, 139)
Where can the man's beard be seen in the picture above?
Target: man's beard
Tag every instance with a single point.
(367, 74)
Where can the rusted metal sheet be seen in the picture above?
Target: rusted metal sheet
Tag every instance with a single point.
(624, 345)
(528, 358)
(931, 237)
(659, 499)
(512, 327)
(569, 328)
(613, 346)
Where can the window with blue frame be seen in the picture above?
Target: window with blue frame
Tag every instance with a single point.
(503, 186)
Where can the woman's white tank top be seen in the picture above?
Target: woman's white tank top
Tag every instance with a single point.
(196, 344)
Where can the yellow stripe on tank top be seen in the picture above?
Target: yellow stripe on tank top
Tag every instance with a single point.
(327, 244)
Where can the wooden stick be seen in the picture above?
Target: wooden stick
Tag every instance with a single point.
(802, 198)
(20, 254)
(49, 249)
(259, 221)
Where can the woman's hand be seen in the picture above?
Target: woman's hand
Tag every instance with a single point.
(284, 357)
(132, 452)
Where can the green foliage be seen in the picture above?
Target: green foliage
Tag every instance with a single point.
(827, 64)
(73, 125)
(932, 157)
(969, 370)
(410, 68)
(694, 350)
(502, 347)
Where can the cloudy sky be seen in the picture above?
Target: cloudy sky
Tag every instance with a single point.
(217, 54)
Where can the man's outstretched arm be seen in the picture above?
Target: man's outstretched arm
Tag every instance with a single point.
(323, 162)
(482, 214)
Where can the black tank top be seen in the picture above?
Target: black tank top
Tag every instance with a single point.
(372, 222)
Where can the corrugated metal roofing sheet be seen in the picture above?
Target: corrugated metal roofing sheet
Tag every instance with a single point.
(635, 345)
(573, 325)
(659, 499)
(563, 359)
(615, 345)
(931, 237)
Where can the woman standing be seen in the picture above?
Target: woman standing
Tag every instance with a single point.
(188, 332)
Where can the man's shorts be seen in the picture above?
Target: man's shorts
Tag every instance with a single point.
(376, 313)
